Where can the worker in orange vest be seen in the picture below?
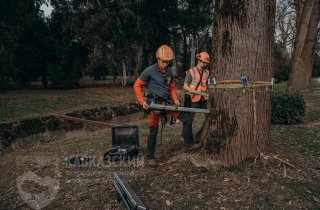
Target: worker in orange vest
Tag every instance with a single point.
(160, 80)
(196, 80)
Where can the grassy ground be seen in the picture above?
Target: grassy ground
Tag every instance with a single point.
(288, 177)
(22, 104)
(107, 80)
(17, 105)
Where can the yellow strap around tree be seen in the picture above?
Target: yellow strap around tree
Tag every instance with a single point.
(233, 84)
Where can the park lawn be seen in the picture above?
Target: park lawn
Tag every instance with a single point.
(85, 81)
(290, 182)
(22, 104)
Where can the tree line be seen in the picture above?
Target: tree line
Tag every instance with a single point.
(96, 36)
(107, 37)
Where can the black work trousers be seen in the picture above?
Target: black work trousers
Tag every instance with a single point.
(187, 132)
(151, 141)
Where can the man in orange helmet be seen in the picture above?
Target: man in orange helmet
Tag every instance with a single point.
(196, 80)
(160, 80)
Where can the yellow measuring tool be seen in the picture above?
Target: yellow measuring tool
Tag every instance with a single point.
(233, 84)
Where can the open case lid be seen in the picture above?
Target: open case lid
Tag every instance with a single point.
(125, 135)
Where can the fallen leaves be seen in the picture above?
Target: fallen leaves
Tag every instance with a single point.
(164, 192)
(168, 203)
(315, 199)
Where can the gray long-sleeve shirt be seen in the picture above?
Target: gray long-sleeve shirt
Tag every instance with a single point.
(158, 82)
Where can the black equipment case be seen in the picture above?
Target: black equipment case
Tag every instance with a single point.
(125, 143)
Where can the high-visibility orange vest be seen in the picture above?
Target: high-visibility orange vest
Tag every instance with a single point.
(195, 80)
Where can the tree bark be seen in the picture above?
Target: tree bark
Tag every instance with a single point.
(185, 53)
(238, 125)
(138, 60)
(302, 60)
(118, 69)
(124, 73)
(311, 41)
(193, 53)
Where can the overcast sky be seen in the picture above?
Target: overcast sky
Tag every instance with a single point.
(46, 9)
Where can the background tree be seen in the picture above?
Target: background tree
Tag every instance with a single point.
(31, 56)
(285, 25)
(282, 64)
(69, 54)
(238, 126)
(135, 29)
(194, 24)
(22, 43)
(7, 48)
(124, 34)
(303, 56)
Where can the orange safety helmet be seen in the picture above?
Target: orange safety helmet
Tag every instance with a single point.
(203, 56)
(164, 52)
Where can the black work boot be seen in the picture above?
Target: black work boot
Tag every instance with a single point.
(193, 147)
(151, 163)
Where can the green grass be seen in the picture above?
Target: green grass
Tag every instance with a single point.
(299, 188)
(107, 80)
(307, 139)
(34, 107)
(313, 114)
(264, 200)
(314, 86)
(280, 87)
(242, 166)
(313, 102)
(18, 105)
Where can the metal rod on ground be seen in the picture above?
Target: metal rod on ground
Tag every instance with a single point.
(84, 121)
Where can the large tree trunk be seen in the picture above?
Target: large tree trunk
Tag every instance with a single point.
(138, 60)
(302, 60)
(311, 40)
(185, 52)
(193, 53)
(124, 73)
(238, 126)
